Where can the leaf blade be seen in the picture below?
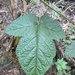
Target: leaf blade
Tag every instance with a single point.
(22, 24)
(54, 30)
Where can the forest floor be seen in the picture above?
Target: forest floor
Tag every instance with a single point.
(8, 60)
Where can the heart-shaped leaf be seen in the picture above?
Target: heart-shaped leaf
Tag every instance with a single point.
(36, 48)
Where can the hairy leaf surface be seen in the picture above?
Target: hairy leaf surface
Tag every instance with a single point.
(70, 50)
(21, 25)
(36, 48)
(36, 54)
(54, 30)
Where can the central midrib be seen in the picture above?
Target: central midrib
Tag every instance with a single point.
(36, 47)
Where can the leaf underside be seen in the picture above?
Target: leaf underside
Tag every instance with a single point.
(36, 48)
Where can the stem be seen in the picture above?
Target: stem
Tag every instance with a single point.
(56, 11)
(24, 6)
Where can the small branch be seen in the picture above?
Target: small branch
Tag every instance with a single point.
(56, 11)
(14, 7)
(24, 6)
(69, 7)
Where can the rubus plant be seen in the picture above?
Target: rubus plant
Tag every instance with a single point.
(62, 66)
(36, 48)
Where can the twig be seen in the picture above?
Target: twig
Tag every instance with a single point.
(14, 7)
(24, 6)
(56, 11)
(68, 7)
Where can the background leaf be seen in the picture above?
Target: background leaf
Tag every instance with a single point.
(70, 50)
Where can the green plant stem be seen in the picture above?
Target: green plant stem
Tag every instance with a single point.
(56, 11)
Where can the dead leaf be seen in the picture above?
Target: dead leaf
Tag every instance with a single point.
(14, 70)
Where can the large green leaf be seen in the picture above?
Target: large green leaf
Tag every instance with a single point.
(36, 48)
(70, 50)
